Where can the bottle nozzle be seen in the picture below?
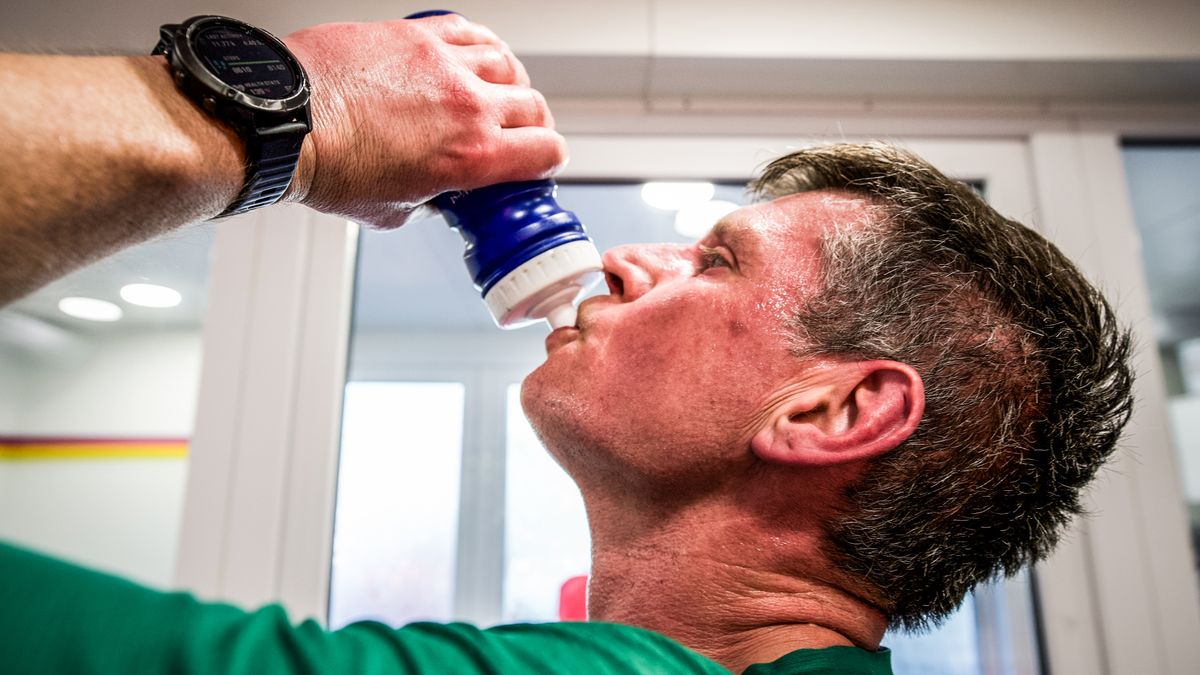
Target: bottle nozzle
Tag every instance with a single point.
(563, 315)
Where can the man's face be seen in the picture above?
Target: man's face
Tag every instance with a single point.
(671, 374)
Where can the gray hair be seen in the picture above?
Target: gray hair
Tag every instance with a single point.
(1026, 373)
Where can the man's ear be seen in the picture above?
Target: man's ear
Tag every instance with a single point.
(852, 411)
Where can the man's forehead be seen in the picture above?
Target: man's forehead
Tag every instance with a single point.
(806, 215)
(779, 242)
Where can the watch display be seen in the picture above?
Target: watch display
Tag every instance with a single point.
(244, 61)
(246, 78)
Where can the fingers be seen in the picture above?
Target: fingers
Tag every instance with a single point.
(498, 66)
(520, 107)
(528, 153)
(456, 30)
(482, 50)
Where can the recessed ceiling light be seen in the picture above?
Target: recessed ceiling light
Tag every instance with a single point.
(150, 295)
(675, 196)
(90, 309)
(695, 220)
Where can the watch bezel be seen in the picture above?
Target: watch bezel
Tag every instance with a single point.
(184, 54)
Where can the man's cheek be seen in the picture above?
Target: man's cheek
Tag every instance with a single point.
(658, 348)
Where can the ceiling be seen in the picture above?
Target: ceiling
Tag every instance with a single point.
(1016, 51)
(179, 259)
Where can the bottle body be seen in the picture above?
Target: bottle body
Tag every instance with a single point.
(529, 258)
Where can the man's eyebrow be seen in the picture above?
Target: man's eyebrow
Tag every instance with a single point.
(738, 237)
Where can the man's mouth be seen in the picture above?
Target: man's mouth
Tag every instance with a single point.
(565, 334)
(561, 336)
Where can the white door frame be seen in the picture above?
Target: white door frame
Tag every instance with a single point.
(263, 460)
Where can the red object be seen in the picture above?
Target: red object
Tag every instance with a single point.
(572, 599)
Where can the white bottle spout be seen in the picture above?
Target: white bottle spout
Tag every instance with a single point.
(563, 315)
(546, 286)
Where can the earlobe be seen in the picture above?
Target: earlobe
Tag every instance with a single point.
(855, 411)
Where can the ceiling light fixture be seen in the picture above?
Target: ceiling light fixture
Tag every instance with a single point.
(673, 196)
(90, 309)
(696, 220)
(150, 295)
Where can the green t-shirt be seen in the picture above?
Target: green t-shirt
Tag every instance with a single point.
(59, 618)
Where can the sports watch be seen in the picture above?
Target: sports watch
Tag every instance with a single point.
(247, 78)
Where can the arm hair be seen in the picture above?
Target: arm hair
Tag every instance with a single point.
(98, 154)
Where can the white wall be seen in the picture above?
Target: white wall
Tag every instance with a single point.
(117, 514)
(12, 383)
(125, 384)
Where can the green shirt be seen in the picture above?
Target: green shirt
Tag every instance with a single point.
(59, 618)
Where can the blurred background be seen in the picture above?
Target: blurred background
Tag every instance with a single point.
(282, 407)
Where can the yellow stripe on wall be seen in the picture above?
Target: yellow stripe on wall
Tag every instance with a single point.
(91, 449)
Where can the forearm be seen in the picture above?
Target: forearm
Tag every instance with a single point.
(98, 154)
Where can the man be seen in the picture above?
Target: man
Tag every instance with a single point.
(839, 411)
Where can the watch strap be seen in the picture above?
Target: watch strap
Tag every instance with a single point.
(165, 39)
(270, 164)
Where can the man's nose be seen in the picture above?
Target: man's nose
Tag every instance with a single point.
(633, 269)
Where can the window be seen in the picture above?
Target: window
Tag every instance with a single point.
(546, 542)
(1162, 186)
(397, 505)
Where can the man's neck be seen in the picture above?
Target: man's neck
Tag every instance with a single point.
(730, 592)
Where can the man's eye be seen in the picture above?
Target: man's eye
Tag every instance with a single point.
(710, 258)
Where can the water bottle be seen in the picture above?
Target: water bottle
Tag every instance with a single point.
(529, 258)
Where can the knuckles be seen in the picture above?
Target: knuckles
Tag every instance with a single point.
(471, 160)
(544, 117)
(462, 101)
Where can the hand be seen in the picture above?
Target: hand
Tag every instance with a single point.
(405, 110)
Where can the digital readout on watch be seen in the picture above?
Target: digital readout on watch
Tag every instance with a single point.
(245, 62)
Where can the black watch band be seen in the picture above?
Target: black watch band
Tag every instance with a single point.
(270, 164)
(248, 79)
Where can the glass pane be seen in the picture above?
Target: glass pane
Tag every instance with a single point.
(397, 504)
(546, 538)
(1162, 189)
(952, 649)
(95, 416)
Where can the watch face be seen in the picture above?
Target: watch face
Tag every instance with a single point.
(245, 61)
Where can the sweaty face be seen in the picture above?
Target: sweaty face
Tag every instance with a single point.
(668, 376)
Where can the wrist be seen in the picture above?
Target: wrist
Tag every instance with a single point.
(208, 156)
(301, 186)
(298, 189)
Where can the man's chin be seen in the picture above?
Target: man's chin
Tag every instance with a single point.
(545, 392)
(530, 389)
